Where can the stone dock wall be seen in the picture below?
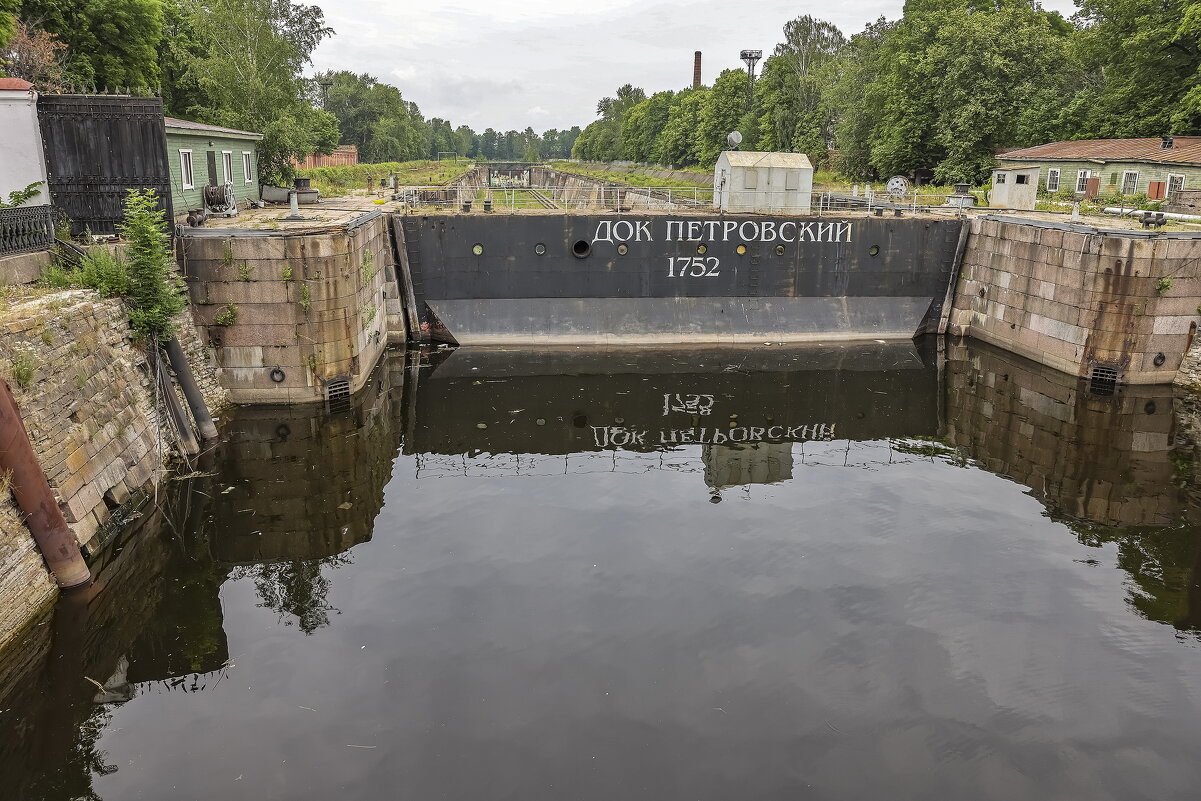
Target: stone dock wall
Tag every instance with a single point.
(86, 398)
(292, 316)
(1078, 298)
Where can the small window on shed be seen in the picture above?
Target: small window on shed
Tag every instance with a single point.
(1052, 180)
(792, 179)
(247, 171)
(1000, 179)
(750, 178)
(1023, 179)
(185, 169)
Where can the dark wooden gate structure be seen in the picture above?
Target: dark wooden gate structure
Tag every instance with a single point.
(97, 148)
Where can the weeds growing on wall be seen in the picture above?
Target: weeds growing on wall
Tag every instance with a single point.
(142, 277)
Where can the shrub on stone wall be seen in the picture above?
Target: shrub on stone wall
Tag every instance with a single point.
(155, 296)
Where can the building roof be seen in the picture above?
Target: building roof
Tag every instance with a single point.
(745, 158)
(188, 125)
(1184, 150)
(1014, 167)
(14, 85)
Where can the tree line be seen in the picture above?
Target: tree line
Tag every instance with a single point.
(240, 64)
(376, 118)
(934, 94)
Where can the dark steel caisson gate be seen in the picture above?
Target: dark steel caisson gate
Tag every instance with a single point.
(97, 148)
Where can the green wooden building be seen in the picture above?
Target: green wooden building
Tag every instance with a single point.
(201, 154)
(1154, 167)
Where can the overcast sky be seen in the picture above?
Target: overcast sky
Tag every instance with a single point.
(507, 64)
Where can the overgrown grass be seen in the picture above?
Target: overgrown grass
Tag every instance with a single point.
(102, 270)
(335, 181)
(630, 176)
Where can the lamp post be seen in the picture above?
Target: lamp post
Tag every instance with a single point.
(751, 58)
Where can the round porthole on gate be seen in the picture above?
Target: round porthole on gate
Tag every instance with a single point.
(581, 248)
(701, 250)
(740, 250)
(278, 375)
(1159, 359)
(540, 249)
(779, 250)
(874, 250)
(477, 249)
(623, 249)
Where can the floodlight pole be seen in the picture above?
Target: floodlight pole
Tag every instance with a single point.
(750, 58)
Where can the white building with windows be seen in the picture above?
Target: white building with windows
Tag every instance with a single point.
(1014, 188)
(778, 183)
(1154, 167)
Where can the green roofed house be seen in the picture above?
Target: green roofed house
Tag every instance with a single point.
(202, 155)
(1153, 167)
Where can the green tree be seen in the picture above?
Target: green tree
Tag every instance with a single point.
(250, 74)
(374, 117)
(795, 109)
(1143, 57)
(679, 143)
(721, 113)
(155, 296)
(110, 43)
(8, 21)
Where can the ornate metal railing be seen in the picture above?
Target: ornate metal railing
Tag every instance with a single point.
(26, 229)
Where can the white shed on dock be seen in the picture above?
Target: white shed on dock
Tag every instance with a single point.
(763, 182)
(1014, 188)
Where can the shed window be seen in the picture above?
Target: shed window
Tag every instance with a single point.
(1175, 182)
(1023, 179)
(792, 180)
(247, 168)
(1052, 180)
(1082, 180)
(750, 178)
(1129, 183)
(227, 166)
(185, 169)
(1000, 179)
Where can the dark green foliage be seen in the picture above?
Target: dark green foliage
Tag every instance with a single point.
(110, 43)
(155, 296)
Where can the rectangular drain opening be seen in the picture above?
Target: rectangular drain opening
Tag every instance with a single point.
(1103, 379)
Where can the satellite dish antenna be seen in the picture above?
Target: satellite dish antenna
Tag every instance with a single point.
(898, 186)
(733, 139)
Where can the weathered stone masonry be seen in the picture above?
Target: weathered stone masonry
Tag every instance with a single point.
(89, 411)
(308, 304)
(1076, 298)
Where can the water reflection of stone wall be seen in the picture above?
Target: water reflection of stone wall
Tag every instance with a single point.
(1105, 466)
(1106, 459)
(307, 486)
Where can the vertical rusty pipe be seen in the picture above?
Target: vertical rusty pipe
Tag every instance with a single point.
(191, 392)
(45, 520)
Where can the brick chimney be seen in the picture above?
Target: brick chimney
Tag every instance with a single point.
(696, 70)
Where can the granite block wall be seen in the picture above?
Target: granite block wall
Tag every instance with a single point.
(1075, 298)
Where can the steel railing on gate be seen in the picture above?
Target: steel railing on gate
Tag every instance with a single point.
(26, 229)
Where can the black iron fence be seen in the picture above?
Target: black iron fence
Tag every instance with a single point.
(26, 229)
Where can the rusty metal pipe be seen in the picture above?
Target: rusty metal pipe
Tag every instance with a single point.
(45, 520)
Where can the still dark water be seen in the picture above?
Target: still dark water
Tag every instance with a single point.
(862, 572)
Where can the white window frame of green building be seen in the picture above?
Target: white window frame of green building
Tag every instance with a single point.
(1082, 181)
(185, 169)
(1175, 182)
(247, 167)
(1053, 179)
(227, 166)
(1129, 182)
